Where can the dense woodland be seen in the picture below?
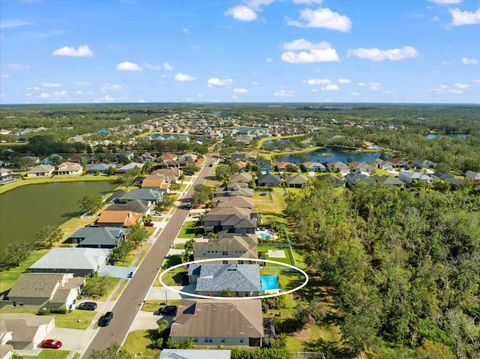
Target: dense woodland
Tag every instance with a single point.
(404, 266)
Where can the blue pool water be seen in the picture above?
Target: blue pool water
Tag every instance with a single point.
(265, 236)
(269, 282)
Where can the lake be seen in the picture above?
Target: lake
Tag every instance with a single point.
(24, 210)
(434, 136)
(332, 155)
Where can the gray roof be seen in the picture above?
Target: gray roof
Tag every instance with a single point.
(99, 235)
(146, 194)
(72, 258)
(130, 166)
(194, 354)
(137, 206)
(234, 277)
(389, 180)
(241, 177)
(296, 179)
(101, 167)
(24, 326)
(269, 178)
(41, 169)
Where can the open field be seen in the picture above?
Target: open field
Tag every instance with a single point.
(272, 202)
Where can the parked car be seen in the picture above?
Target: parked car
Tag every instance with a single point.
(51, 344)
(87, 306)
(210, 165)
(148, 224)
(130, 275)
(105, 319)
(167, 310)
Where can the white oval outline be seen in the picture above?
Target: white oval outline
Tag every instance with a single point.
(170, 288)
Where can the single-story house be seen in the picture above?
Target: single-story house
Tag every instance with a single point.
(389, 181)
(234, 202)
(361, 167)
(241, 177)
(41, 171)
(314, 166)
(410, 177)
(169, 156)
(424, 164)
(186, 159)
(236, 246)
(129, 167)
(148, 195)
(97, 237)
(79, 261)
(235, 189)
(338, 167)
(473, 176)
(264, 165)
(296, 181)
(125, 155)
(46, 290)
(235, 156)
(399, 162)
(174, 172)
(215, 323)
(137, 206)
(379, 163)
(332, 179)
(118, 218)
(6, 175)
(69, 168)
(269, 180)
(100, 168)
(195, 354)
(24, 331)
(155, 182)
(446, 178)
(354, 179)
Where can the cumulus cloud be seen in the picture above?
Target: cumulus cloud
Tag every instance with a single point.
(344, 81)
(215, 81)
(302, 51)
(163, 66)
(469, 61)
(375, 54)
(460, 17)
(457, 88)
(323, 18)
(81, 51)
(284, 93)
(129, 66)
(314, 82)
(240, 90)
(371, 85)
(307, 2)
(242, 13)
(9, 23)
(50, 84)
(183, 77)
(56, 95)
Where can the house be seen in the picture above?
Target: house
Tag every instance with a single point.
(314, 166)
(399, 162)
(242, 177)
(169, 156)
(129, 167)
(100, 168)
(418, 164)
(473, 176)
(455, 182)
(41, 171)
(97, 237)
(24, 331)
(186, 158)
(269, 180)
(215, 323)
(264, 165)
(333, 180)
(170, 173)
(338, 167)
(296, 181)
(148, 195)
(243, 156)
(195, 354)
(69, 168)
(81, 262)
(410, 177)
(117, 218)
(231, 220)
(354, 179)
(242, 165)
(389, 181)
(155, 182)
(148, 157)
(6, 175)
(241, 280)
(137, 206)
(235, 189)
(379, 163)
(125, 155)
(361, 167)
(46, 290)
(6, 351)
(227, 246)
(234, 201)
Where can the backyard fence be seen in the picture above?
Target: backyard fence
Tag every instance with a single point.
(308, 355)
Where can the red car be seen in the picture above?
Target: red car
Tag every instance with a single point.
(51, 344)
(148, 224)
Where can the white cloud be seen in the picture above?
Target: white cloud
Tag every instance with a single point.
(57, 95)
(242, 13)
(81, 51)
(331, 87)
(108, 98)
(183, 77)
(469, 61)
(355, 93)
(446, 2)
(112, 87)
(460, 17)
(240, 90)
(344, 81)
(457, 88)
(186, 30)
(84, 83)
(50, 84)
(318, 82)
(129, 66)
(371, 85)
(461, 86)
(6, 24)
(323, 18)
(307, 2)
(163, 66)
(214, 81)
(302, 51)
(375, 54)
(167, 66)
(284, 93)
(18, 67)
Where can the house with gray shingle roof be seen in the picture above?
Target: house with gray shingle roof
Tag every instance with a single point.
(389, 181)
(137, 206)
(241, 280)
(232, 220)
(24, 331)
(269, 180)
(97, 237)
(296, 181)
(129, 167)
(473, 176)
(242, 177)
(41, 171)
(100, 168)
(148, 195)
(411, 177)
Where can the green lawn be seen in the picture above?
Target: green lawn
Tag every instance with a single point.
(190, 230)
(8, 278)
(273, 202)
(51, 354)
(111, 283)
(265, 249)
(76, 319)
(137, 343)
(152, 305)
(274, 138)
(174, 277)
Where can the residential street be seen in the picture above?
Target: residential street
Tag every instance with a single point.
(131, 299)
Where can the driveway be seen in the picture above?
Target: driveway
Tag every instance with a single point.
(116, 271)
(146, 320)
(160, 293)
(73, 339)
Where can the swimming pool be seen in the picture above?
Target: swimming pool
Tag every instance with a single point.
(269, 283)
(265, 236)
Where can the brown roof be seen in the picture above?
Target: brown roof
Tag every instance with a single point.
(126, 218)
(213, 318)
(169, 156)
(154, 181)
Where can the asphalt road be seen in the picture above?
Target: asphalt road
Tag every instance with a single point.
(131, 299)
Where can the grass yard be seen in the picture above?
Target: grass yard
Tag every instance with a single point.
(266, 248)
(111, 282)
(8, 278)
(215, 183)
(153, 305)
(174, 277)
(76, 319)
(137, 343)
(51, 354)
(382, 172)
(190, 230)
(123, 284)
(273, 202)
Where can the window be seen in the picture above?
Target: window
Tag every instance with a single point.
(224, 253)
(208, 340)
(222, 340)
(241, 341)
(195, 340)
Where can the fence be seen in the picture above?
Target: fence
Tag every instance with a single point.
(308, 355)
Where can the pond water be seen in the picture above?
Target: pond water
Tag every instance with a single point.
(25, 210)
(275, 142)
(332, 155)
(433, 136)
(244, 130)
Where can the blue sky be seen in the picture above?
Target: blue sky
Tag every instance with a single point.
(243, 50)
